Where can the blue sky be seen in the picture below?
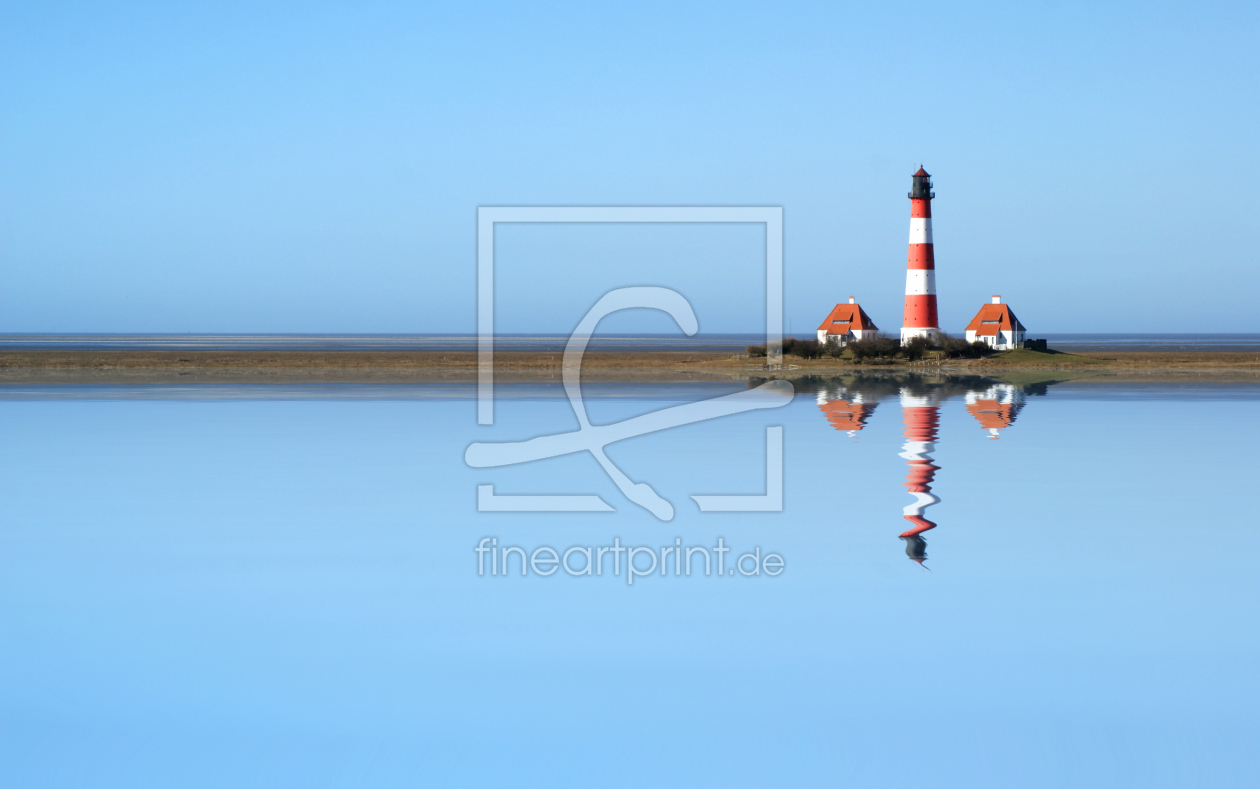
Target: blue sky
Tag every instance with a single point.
(272, 167)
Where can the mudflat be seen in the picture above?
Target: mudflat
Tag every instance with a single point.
(150, 366)
(161, 366)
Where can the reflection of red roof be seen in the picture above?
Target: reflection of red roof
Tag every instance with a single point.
(992, 416)
(844, 415)
(845, 318)
(993, 318)
(921, 171)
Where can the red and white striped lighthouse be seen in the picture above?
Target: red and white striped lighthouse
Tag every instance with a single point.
(920, 316)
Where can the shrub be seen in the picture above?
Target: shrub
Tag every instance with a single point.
(806, 349)
(957, 348)
(954, 348)
(874, 347)
(916, 348)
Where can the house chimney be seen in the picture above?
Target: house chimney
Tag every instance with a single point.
(997, 299)
(851, 300)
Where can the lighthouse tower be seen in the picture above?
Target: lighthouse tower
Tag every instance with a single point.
(920, 316)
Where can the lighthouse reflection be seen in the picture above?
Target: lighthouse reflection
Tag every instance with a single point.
(921, 415)
(849, 405)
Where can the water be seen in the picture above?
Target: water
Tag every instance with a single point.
(374, 342)
(1197, 341)
(700, 343)
(269, 586)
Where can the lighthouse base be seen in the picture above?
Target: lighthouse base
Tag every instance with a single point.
(908, 333)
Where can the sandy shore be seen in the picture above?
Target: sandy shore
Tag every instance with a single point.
(138, 367)
(105, 367)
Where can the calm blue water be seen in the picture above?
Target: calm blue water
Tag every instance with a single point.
(222, 586)
(373, 342)
(733, 343)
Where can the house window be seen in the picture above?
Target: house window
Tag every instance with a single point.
(845, 321)
(990, 323)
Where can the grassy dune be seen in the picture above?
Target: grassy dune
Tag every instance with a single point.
(1022, 357)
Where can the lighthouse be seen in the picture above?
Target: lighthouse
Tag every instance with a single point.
(920, 316)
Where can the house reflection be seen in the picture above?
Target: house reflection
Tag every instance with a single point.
(996, 407)
(845, 410)
(849, 404)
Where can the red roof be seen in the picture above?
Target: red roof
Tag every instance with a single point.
(845, 318)
(993, 318)
(921, 171)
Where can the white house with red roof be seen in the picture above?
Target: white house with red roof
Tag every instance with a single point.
(996, 326)
(847, 322)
